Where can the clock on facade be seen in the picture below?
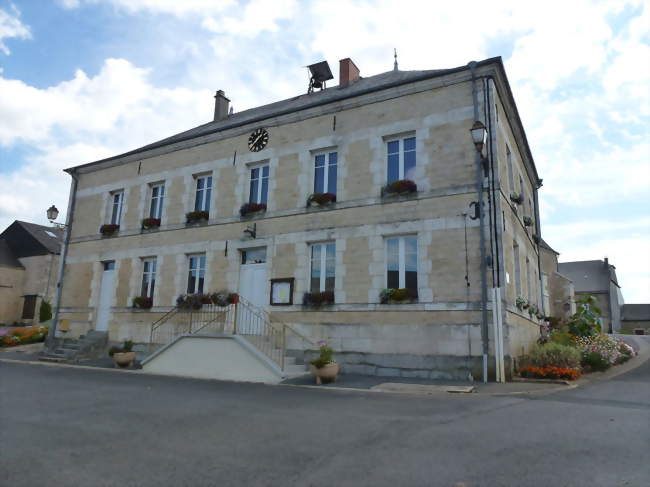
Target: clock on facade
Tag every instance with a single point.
(258, 140)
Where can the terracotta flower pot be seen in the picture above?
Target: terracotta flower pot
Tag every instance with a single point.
(325, 374)
(124, 359)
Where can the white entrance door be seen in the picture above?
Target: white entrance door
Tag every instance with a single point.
(105, 296)
(252, 287)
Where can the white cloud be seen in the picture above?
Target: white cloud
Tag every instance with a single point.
(11, 27)
(174, 7)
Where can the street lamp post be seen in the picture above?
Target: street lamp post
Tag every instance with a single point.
(52, 214)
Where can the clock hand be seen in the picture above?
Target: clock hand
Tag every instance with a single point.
(257, 138)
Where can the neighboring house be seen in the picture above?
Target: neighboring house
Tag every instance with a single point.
(349, 140)
(558, 293)
(29, 256)
(635, 316)
(597, 278)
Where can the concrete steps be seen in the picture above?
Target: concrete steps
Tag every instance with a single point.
(91, 345)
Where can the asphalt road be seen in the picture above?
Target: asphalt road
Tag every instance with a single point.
(74, 427)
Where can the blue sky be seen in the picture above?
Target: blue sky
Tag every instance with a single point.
(85, 79)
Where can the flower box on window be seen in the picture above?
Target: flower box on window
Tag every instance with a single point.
(224, 298)
(197, 216)
(403, 186)
(150, 223)
(250, 209)
(109, 229)
(315, 300)
(516, 198)
(192, 301)
(142, 302)
(321, 199)
(398, 296)
(528, 221)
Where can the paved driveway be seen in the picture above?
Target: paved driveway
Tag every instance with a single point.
(76, 427)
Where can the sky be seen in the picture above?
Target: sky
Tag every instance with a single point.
(85, 79)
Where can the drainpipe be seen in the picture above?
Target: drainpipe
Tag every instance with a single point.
(51, 335)
(538, 229)
(479, 189)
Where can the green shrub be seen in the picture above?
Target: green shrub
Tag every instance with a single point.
(584, 322)
(554, 354)
(45, 311)
(596, 361)
(562, 338)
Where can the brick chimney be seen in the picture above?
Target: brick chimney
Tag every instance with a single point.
(220, 106)
(348, 72)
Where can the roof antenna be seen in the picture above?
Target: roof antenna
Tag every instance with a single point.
(395, 63)
(232, 110)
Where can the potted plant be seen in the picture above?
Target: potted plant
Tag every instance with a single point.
(403, 186)
(142, 302)
(123, 356)
(398, 296)
(323, 367)
(150, 223)
(198, 216)
(521, 303)
(317, 299)
(250, 209)
(190, 301)
(108, 229)
(321, 199)
(516, 198)
(528, 221)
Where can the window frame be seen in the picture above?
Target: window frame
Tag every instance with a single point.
(148, 283)
(322, 284)
(115, 218)
(198, 285)
(260, 182)
(401, 259)
(327, 164)
(400, 139)
(206, 192)
(156, 202)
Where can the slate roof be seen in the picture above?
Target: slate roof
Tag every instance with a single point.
(543, 243)
(635, 312)
(589, 275)
(26, 239)
(7, 257)
(370, 84)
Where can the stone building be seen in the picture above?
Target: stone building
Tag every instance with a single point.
(558, 293)
(366, 141)
(29, 257)
(597, 278)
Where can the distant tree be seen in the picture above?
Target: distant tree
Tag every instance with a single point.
(585, 321)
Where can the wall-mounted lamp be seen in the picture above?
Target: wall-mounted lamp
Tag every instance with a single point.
(479, 135)
(251, 231)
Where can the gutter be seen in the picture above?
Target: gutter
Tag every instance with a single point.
(51, 335)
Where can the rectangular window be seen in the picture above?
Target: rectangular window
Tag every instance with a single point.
(253, 256)
(157, 198)
(401, 159)
(196, 274)
(325, 172)
(323, 266)
(116, 207)
(515, 249)
(511, 177)
(259, 186)
(203, 193)
(402, 263)
(148, 277)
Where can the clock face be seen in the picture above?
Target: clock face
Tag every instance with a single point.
(258, 140)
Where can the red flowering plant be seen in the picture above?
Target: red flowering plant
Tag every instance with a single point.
(317, 299)
(149, 223)
(224, 298)
(251, 208)
(108, 229)
(403, 186)
(321, 199)
(548, 372)
(142, 302)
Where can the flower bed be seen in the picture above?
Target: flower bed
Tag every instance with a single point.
(108, 229)
(197, 216)
(150, 223)
(398, 296)
(23, 336)
(403, 186)
(549, 372)
(600, 352)
(321, 199)
(249, 209)
(143, 302)
(315, 300)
